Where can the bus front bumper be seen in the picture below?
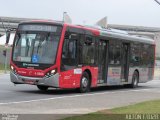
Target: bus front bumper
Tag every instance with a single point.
(52, 81)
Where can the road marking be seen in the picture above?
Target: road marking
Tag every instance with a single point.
(141, 90)
(73, 96)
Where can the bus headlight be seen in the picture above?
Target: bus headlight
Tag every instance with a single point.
(51, 73)
(12, 68)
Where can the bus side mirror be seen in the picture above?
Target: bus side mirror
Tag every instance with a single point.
(7, 37)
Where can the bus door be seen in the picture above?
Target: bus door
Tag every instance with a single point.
(102, 61)
(125, 61)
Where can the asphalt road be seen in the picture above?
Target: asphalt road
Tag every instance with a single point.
(28, 99)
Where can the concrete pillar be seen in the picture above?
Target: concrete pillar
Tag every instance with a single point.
(157, 40)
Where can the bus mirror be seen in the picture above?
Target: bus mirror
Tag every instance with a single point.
(7, 37)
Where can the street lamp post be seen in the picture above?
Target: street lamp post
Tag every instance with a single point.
(5, 62)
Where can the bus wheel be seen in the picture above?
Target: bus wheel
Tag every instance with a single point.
(85, 83)
(42, 88)
(135, 80)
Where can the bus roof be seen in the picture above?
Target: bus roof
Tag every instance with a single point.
(127, 37)
(122, 35)
(118, 34)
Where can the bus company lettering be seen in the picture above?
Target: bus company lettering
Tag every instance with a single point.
(33, 65)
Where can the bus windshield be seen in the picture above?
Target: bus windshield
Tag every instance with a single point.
(36, 47)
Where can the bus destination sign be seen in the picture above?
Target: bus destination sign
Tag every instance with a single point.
(44, 28)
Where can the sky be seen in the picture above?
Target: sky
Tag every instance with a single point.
(123, 12)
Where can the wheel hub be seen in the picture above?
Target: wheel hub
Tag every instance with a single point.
(84, 82)
(135, 81)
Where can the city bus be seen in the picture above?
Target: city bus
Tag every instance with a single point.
(50, 54)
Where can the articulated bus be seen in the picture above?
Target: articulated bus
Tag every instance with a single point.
(65, 56)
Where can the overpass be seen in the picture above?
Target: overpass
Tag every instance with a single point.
(12, 22)
(7, 22)
(152, 32)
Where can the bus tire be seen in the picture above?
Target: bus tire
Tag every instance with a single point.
(84, 83)
(135, 80)
(42, 88)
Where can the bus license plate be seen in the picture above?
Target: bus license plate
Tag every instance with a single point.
(29, 82)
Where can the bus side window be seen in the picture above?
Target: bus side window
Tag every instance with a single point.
(88, 50)
(69, 52)
(144, 55)
(151, 56)
(114, 52)
(135, 54)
